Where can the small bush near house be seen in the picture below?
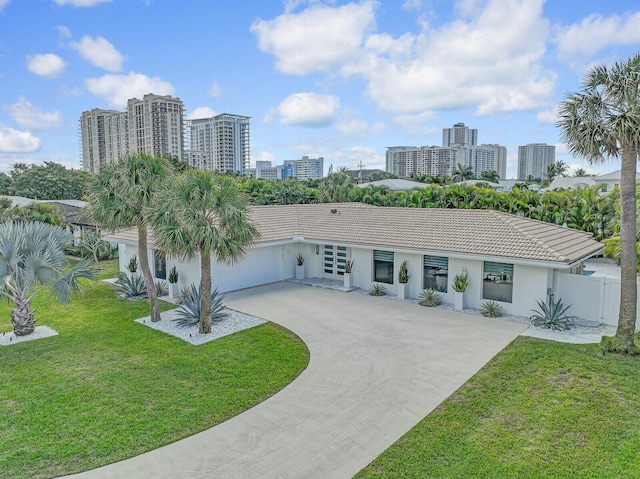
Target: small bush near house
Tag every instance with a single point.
(552, 315)
(132, 287)
(429, 297)
(161, 288)
(378, 290)
(189, 310)
(491, 309)
(460, 282)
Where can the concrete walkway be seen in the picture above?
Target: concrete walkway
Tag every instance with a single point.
(377, 368)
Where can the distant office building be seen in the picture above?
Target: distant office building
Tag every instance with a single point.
(435, 160)
(500, 163)
(402, 161)
(265, 171)
(303, 169)
(534, 159)
(459, 135)
(200, 160)
(156, 125)
(103, 137)
(225, 137)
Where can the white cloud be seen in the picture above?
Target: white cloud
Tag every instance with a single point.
(99, 52)
(117, 89)
(263, 156)
(14, 141)
(201, 112)
(378, 127)
(3, 3)
(596, 32)
(80, 3)
(63, 31)
(353, 129)
(412, 5)
(319, 38)
(549, 116)
(32, 118)
(46, 65)
(308, 109)
(215, 91)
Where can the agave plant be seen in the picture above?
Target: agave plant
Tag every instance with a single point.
(161, 288)
(460, 282)
(378, 290)
(188, 313)
(132, 287)
(429, 297)
(552, 315)
(491, 309)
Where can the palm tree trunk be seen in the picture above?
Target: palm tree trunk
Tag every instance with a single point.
(143, 259)
(23, 317)
(629, 285)
(205, 292)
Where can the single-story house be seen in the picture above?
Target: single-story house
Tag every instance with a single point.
(611, 180)
(571, 182)
(396, 184)
(510, 259)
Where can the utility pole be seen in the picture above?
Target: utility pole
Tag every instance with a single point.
(360, 165)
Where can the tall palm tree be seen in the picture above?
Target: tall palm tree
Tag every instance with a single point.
(491, 175)
(204, 214)
(32, 257)
(579, 172)
(120, 197)
(603, 121)
(462, 173)
(337, 187)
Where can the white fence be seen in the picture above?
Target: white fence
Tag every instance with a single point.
(593, 298)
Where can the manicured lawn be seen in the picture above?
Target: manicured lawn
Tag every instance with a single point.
(539, 409)
(107, 388)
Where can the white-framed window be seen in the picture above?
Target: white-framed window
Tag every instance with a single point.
(383, 266)
(497, 281)
(159, 265)
(435, 273)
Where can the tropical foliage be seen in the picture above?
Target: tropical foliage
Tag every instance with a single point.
(491, 309)
(188, 313)
(49, 181)
(132, 286)
(461, 282)
(377, 290)
(552, 315)
(429, 297)
(603, 122)
(32, 257)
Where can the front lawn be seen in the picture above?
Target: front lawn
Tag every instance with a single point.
(107, 388)
(539, 409)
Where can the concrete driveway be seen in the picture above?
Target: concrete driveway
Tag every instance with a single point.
(377, 368)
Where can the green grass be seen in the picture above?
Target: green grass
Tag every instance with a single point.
(539, 409)
(107, 388)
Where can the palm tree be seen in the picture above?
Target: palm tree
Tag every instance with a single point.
(462, 173)
(601, 122)
(204, 214)
(491, 175)
(579, 172)
(120, 197)
(32, 255)
(337, 187)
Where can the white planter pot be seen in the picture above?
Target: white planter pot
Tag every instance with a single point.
(348, 280)
(403, 290)
(173, 290)
(458, 301)
(300, 271)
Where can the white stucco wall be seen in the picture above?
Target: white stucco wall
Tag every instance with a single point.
(529, 284)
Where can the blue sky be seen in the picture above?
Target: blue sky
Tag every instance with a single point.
(337, 79)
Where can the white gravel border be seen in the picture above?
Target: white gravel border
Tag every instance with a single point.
(235, 322)
(9, 338)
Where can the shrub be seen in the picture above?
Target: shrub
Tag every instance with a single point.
(189, 310)
(173, 275)
(133, 264)
(552, 315)
(460, 282)
(403, 274)
(429, 297)
(300, 259)
(348, 266)
(161, 288)
(120, 277)
(491, 309)
(378, 290)
(132, 287)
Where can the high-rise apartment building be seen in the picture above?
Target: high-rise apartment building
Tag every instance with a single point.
(103, 137)
(225, 137)
(500, 163)
(156, 125)
(304, 169)
(534, 159)
(152, 125)
(402, 160)
(459, 135)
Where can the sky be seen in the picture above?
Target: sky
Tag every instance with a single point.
(337, 79)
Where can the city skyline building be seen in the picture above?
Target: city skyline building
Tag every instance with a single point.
(534, 159)
(303, 169)
(459, 135)
(103, 138)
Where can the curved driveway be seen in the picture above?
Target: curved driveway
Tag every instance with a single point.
(377, 367)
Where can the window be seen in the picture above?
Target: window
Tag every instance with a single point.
(435, 273)
(160, 265)
(383, 266)
(497, 282)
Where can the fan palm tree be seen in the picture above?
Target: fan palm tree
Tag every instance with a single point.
(491, 175)
(462, 173)
(32, 257)
(600, 122)
(204, 214)
(120, 197)
(337, 187)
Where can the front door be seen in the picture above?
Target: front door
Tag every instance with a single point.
(333, 261)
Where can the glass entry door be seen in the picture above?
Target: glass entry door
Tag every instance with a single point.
(333, 261)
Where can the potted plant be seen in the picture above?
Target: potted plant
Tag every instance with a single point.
(173, 282)
(299, 266)
(133, 265)
(403, 279)
(348, 277)
(460, 284)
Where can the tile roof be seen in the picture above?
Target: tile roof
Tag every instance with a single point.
(614, 175)
(475, 232)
